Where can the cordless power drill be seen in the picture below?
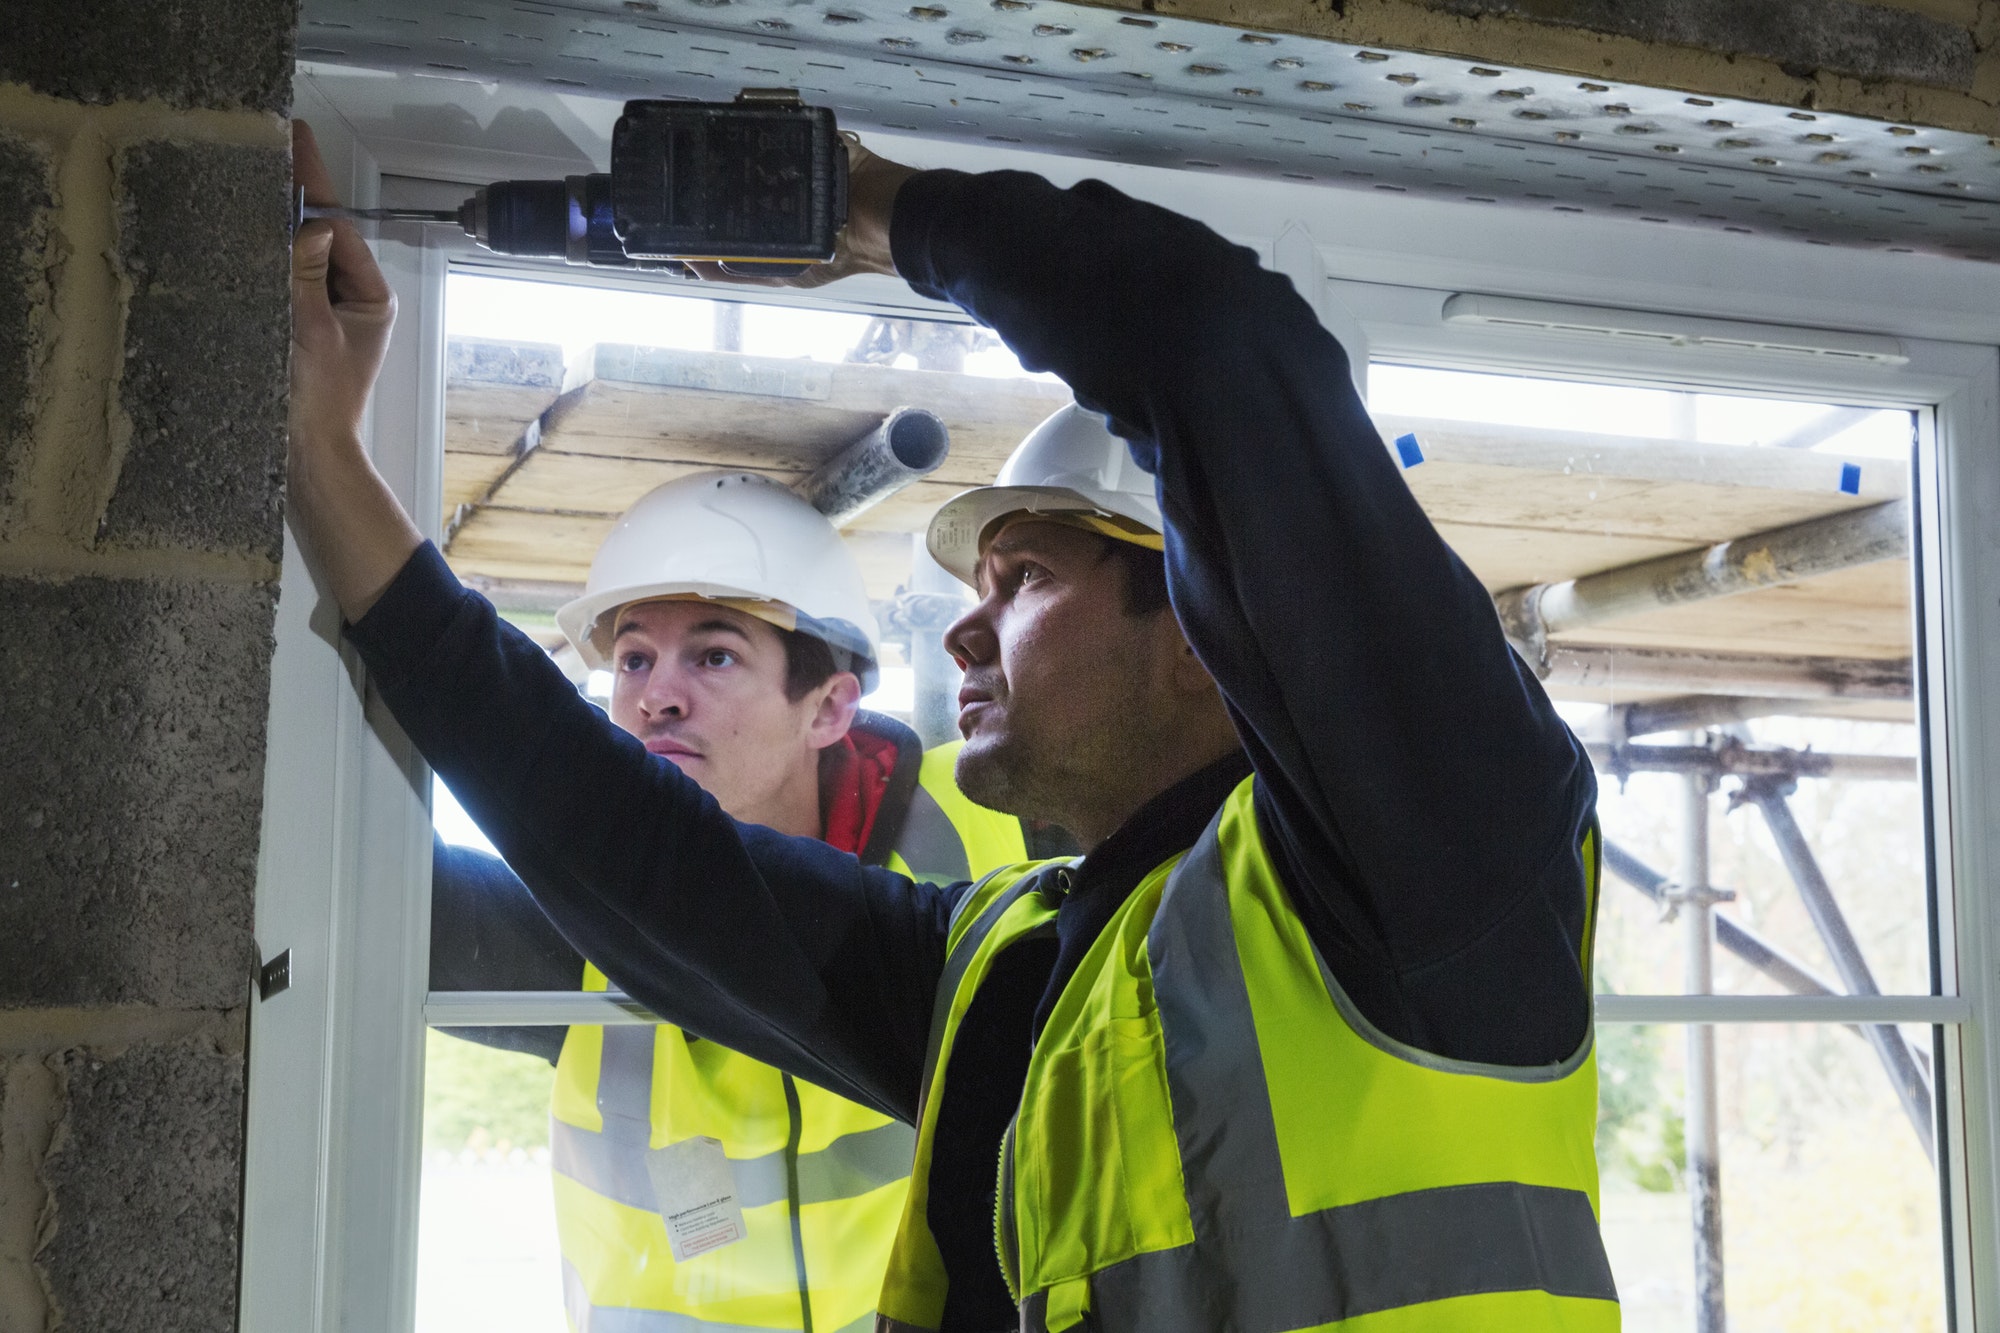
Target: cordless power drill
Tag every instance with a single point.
(758, 184)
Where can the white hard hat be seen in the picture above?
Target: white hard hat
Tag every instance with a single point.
(1069, 468)
(729, 537)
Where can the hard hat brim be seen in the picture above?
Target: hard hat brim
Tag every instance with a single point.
(959, 526)
(728, 536)
(585, 622)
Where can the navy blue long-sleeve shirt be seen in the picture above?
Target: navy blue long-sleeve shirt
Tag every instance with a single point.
(1424, 803)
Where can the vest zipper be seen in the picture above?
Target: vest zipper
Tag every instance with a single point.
(793, 1136)
(1006, 1239)
(1006, 1242)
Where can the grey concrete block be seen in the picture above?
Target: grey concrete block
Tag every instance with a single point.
(132, 718)
(203, 240)
(26, 201)
(1873, 41)
(191, 53)
(145, 1177)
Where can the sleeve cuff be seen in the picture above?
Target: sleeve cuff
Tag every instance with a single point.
(412, 615)
(920, 204)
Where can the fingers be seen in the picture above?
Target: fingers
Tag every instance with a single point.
(311, 252)
(309, 168)
(352, 276)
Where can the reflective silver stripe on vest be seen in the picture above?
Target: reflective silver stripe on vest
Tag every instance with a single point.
(1253, 1267)
(929, 843)
(590, 1318)
(613, 1163)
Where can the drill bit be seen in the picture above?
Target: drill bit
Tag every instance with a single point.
(378, 214)
(301, 211)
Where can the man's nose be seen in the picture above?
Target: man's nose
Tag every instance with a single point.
(665, 695)
(971, 639)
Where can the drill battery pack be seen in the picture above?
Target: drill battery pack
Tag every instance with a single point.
(761, 180)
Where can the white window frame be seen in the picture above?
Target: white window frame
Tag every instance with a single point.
(336, 1060)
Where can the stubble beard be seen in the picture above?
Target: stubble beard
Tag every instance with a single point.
(995, 772)
(1013, 774)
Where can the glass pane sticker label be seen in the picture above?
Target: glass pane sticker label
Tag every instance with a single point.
(697, 1195)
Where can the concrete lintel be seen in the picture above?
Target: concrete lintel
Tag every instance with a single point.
(1798, 36)
(1942, 79)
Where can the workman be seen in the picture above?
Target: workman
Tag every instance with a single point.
(736, 627)
(1303, 1041)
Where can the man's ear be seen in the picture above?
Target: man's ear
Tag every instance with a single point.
(834, 705)
(1189, 675)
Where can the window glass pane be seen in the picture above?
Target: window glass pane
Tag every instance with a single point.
(1865, 837)
(487, 1259)
(1539, 482)
(1661, 414)
(566, 403)
(1830, 1209)
(1829, 1200)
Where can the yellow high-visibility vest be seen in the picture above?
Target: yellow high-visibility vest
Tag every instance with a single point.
(820, 1180)
(1211, 1136)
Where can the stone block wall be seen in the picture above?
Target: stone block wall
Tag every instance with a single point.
(144, 308)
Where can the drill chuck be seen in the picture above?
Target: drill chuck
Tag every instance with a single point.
(530, 218)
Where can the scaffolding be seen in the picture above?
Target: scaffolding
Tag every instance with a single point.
(1766, 777)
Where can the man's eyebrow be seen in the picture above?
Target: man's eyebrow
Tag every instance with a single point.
(717, 625)
(1011, 541)
(721, 626)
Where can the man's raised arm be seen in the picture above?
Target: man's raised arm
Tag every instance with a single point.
(1425, 800)
(779, 947)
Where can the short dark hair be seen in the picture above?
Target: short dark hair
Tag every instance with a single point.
(808, 663)
(1145, 576)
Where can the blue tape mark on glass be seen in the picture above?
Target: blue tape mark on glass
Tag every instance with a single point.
(1850, 478)
(1409, 450)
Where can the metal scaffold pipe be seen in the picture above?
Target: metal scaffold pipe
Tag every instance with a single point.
(1694, 712)
(1740, 940)
(935, 599)
(1900, 1064)
(1735, 759)
(910, 443)
(1760, 675)
(1695, 897)
(1743, 564)
(1906, 1075)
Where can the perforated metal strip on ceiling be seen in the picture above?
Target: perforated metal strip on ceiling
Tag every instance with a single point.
(1174, 93)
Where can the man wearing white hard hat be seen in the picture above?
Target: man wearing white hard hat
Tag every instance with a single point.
(737, 631)
(1303, 1041)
